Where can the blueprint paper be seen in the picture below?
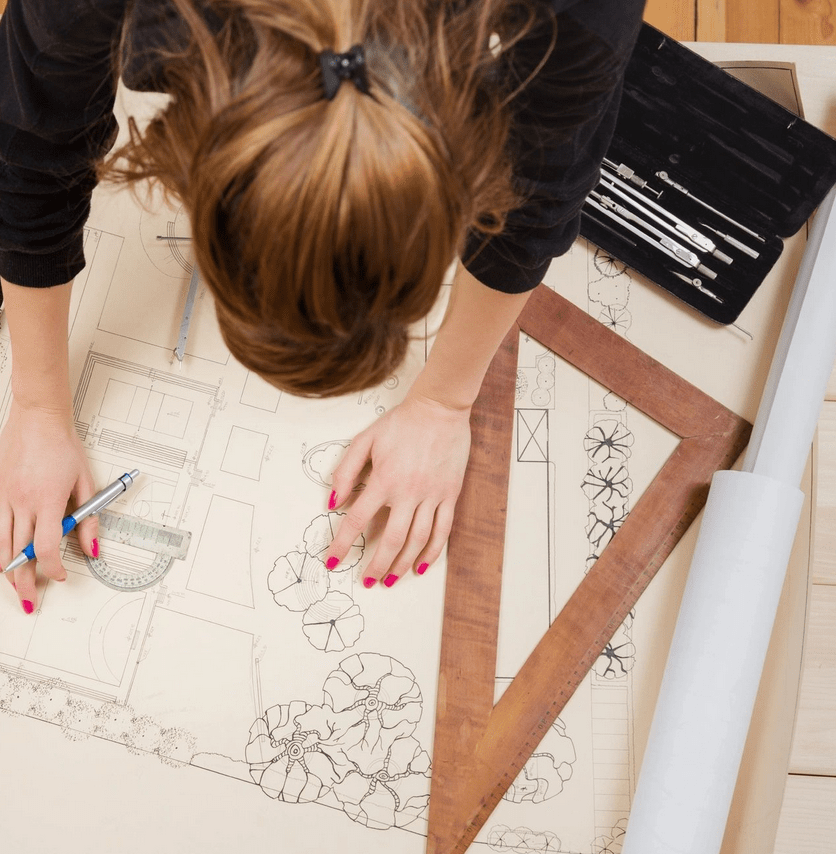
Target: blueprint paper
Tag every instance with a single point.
(254, 700)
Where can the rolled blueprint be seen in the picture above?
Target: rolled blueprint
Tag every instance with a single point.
(711, 679)
(713, 670)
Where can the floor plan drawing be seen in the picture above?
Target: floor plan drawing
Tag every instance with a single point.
(253, 699)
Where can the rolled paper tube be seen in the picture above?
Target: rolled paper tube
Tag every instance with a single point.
(708, 691)
(711, 679)
(797, 381)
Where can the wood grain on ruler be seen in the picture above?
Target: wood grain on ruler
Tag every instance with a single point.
(478, 751)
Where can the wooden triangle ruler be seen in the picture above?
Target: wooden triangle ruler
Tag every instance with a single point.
(480, 748)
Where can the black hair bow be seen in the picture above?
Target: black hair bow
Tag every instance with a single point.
(337, 67)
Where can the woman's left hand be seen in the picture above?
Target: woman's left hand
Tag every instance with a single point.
(418, 452)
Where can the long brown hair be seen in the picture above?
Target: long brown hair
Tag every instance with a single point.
(324, 228)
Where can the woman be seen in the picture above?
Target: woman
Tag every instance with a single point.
(334, 157)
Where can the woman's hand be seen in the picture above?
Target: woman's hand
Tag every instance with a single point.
(418, 452)
(42, 464)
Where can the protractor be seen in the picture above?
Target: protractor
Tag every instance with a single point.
(135, 553)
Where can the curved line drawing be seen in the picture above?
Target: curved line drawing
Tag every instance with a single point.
(547, 771)
(319, 462)
(98, 641)
(299, 581)
(523, 840)
(333, 623)
(356, 750)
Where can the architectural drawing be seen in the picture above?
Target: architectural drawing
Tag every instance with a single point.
(356, 750)
(253, 678)
(299, 581)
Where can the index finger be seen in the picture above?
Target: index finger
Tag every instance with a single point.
(47, 540)
(354, 522)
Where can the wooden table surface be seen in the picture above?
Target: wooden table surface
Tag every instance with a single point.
(808, 819)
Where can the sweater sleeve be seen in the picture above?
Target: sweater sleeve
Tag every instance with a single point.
(56, 120)
(563, 122)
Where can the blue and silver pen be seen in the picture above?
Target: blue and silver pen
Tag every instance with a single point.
(96, 503)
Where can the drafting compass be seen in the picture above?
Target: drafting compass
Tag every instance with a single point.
(188, 309)
(126, 567)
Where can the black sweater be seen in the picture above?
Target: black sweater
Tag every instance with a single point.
(56, 120)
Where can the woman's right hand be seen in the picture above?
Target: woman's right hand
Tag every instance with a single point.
(42, 465)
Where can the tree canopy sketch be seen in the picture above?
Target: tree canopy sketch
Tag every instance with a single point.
(356, 749)
(299, 581)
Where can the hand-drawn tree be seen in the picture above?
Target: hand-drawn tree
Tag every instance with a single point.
(299, 581)
(357, 750)
(334, 623)
(607, 482)
(523, 840)
(608, 439)
(544, 774)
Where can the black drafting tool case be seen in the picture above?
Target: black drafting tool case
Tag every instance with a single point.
(703, 178)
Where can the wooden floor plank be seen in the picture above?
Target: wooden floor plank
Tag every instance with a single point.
(808, 820)
(807, 22)
(814, 744)
(677, 18)
(711, 20)
(824, 550)
(755, 21)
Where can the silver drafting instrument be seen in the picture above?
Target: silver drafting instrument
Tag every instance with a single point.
(672, 222)
(663, 176)
(697, 283)
(94, 505)
(124, 570)
(661, 241)
(733, 242)
(188, 310)
(629, 174)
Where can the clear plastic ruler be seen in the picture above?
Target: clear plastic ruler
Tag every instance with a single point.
(128, 568)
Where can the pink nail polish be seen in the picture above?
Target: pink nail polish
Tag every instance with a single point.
(332, 501)
(422, 569)
(390, 580)
(369, 582)
(27, 606)
(332, 562)
(94, 547)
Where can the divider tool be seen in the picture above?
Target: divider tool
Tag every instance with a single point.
(480, 748)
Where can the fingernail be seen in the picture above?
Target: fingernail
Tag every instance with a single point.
(94, 547)
(369, 582)
(61, 580)
(332, 501)
(390, 580)
(422, 569)
(27, 606)
(332, 562)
